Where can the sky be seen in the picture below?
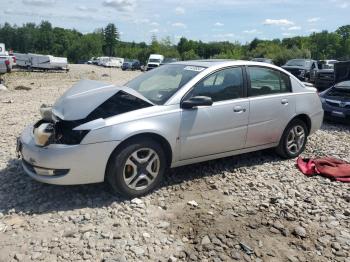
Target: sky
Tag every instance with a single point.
(206, 20)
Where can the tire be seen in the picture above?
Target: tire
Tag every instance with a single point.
(128, 176)
(290, 147)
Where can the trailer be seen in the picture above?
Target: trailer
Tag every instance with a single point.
(22, 60)
(48, 62)
(41, 62)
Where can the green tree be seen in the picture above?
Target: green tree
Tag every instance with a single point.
(111, 37)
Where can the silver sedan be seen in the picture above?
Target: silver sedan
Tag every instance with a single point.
(178, 114)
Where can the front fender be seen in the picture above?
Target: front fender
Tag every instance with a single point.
(166, 125)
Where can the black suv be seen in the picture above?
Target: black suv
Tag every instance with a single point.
(131, 65)
(304, 69)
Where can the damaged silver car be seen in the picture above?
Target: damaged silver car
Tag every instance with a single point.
(178, 114)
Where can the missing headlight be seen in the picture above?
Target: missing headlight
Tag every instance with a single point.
(61, 132)
(64, 133)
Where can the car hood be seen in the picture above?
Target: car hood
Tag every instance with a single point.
(342, 71)
(91, 100)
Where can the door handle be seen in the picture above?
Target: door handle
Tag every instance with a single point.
(284, 101)
(238, 109)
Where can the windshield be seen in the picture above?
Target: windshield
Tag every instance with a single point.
(162, 83)
(299, 62)
(154, 60)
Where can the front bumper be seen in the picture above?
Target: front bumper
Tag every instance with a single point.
(65, 164)
(334, 113)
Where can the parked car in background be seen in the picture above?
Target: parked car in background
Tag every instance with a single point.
(303, 69)
(131, 65)
(3, 66)
(154, 61)
(325, 75)
(7, 62)
(336, 100)
(263, 60)
(175, 115)
(93, 61)
(168, 61)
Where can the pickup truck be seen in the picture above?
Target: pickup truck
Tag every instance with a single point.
(304, 69)
(325, 76)
(6, 64)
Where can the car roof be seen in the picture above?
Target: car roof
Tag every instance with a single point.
(221, 62)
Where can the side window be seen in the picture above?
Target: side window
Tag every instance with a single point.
(266, 81)
(223, 85)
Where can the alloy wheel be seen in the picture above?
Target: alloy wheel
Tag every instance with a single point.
(295, 139)
(141, 169)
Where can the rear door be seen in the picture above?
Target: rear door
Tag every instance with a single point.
(221, 127)
(272, 105)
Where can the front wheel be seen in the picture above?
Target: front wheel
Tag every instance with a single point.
(293, 140)
(137, 168)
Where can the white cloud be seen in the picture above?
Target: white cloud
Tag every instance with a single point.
(313, 19)
(294, 28)
(85, 8)
(154, 31)
(314, 30)
(219, 24)
(179, 10)
(179, 24)
(252, 31)
(287, 34)
(39, 2)
(224, 36)
(154, 24)
(120, 5)
(284, 22)
(341, 3)
(141, 21)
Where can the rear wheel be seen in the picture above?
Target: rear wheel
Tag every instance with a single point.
(137, 168)
(293, 140)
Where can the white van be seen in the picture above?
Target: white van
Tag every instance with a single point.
(154, 61)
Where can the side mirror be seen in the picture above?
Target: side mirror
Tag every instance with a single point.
(197, 101)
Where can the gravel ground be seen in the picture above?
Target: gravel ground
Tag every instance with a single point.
(253, 207)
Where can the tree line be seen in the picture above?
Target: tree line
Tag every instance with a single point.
(78, 47)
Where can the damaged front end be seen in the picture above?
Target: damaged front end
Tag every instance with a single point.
(85, 102)
(59, 132)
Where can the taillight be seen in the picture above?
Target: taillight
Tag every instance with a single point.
(14, 59)
(7, 62)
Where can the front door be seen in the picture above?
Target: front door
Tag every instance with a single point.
(221, 127)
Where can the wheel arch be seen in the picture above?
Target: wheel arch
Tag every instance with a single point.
(164, 143)
(305, 118)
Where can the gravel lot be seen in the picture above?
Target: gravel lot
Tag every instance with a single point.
(254, 207)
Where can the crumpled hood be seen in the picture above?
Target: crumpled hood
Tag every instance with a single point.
(85, 96)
